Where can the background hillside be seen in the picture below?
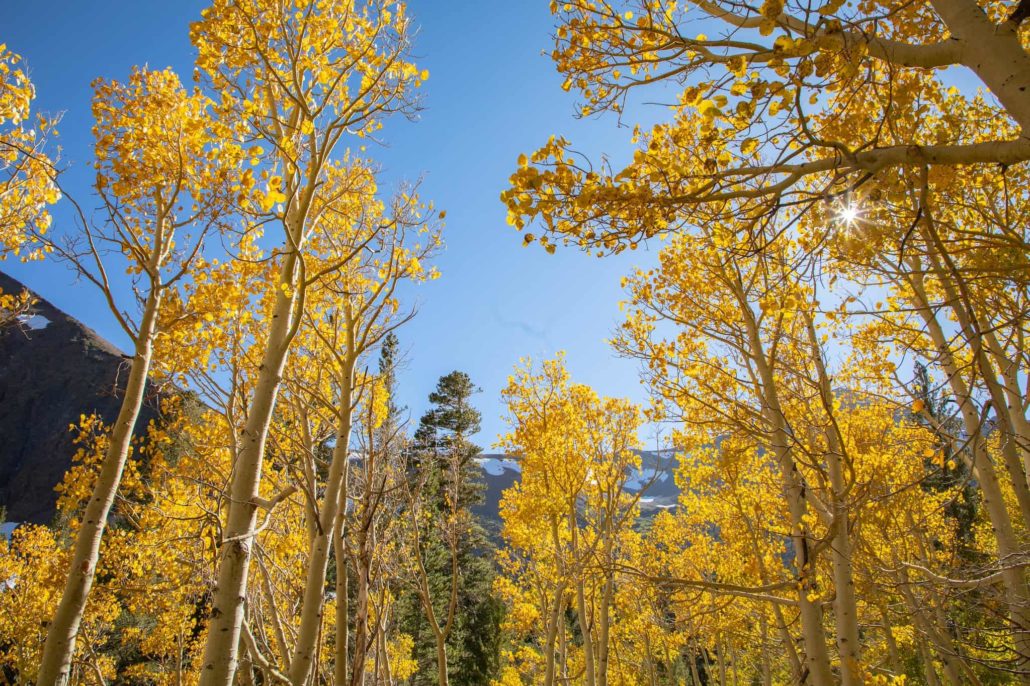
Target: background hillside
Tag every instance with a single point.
(54, 368)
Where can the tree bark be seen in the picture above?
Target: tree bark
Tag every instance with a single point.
(361, 602)
(59, 649)
(845, 607)
(313, 604)
(1017, 594)
(994, 53)
(228, 601)
(551, 636)
(585, 623)
(817, 659)
(973, 330)
(342, 586)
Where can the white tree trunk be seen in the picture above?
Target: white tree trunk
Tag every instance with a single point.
(59, 649)
(845, 607)
(228, 601)
(318, 554)
(817, 659)
(994, 53)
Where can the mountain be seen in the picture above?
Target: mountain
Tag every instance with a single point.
(53, 369)
(654, 481)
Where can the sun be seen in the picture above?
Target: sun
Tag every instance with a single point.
(848, 214)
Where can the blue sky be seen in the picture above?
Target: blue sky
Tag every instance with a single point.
(493, 93)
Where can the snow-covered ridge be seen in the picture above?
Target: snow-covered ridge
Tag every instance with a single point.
(653, 480)
(641, 478)
(496, 466)
(647, 476)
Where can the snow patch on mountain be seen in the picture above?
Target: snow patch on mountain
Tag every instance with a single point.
(496, 466)
(34, 321)
(642, 478)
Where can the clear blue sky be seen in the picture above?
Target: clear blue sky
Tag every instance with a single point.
(493, 94)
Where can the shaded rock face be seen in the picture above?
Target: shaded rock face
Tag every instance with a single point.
(53, 369)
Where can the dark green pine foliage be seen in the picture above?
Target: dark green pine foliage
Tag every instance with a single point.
(967, 610)
(441, 451)
(951, 472)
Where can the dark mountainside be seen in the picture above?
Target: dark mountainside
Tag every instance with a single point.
(53, 369)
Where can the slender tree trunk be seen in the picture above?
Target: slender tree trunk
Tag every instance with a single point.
(361, 567)
(929, 670)
(229, 598)
(551, 636)
(972, 329)
(245, 674)
(385, 653)
(954, 668)
(695, 677)
(313, 604)
(59, 649)
(274, 616)
(585, 622)
(1017, 594)
(845, 607)
(558, 609)
(893, 656)
(817, 658)
(604, 628)
(441, 658)
(720, 649)
(766, 660)
(781, 622)
(342, 585)
(1016, 405)
(563, 652)
(649, 666)
(585, 628)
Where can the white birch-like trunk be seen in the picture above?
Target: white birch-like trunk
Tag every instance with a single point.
(229, 597)
(1017, 594)
(845, 606)
(59, 649)
(994, 53)
(817, 659)
(318, 553)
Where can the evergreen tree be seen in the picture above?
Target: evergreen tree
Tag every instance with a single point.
(945, 471)
(442, 459)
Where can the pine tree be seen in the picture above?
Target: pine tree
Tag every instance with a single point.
(442, 459)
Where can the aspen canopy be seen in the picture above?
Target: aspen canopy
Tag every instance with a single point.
(817, 215)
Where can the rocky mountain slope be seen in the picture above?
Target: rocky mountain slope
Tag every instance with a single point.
(53, 369)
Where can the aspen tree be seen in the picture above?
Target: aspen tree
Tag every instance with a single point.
(160, 177)
(784, 104)
(351, 313)
(739, 355)
(297, 79)
(957, 301)
(571, 511)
